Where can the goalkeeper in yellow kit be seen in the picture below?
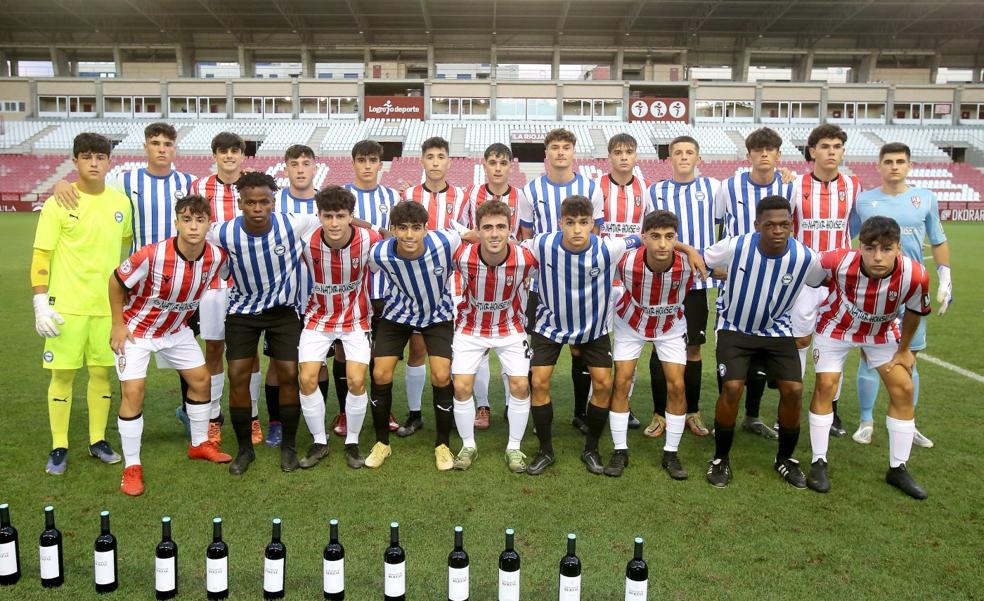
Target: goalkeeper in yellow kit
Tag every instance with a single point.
(75, 252)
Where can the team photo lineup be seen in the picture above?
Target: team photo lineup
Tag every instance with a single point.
(354, 279)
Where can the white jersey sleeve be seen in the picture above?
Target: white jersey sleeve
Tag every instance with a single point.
(720, 253)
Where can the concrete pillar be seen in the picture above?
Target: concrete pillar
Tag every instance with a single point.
(683, 59)
(59, 62)
(890, 105)
(184, 55)
(15, 72)
(165, 101)
(555, 63)
(824, 99)
(975, 76)
(619, 64)
(739, 67)
(230, 100)
(100, 109)
(427, 100)
(493, 96)
(431, 67)
(247, 63)
(366, 59)
(362, 97)
(803, 67)
(118, 60)
(295, 98)
(307, 63)
(3, 64)
(934, 67)
(493, 62)
(757, 109)
(692, 99)
(560, 102)
(866, 68)
(626, 99)
(955, 111)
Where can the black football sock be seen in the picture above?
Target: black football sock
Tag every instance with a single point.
(272, 401)
(443, 413)
(691, 382)
(581, 380)
(289, 417)
(341, 382)
(242, 424)
(543, 421)
(754, 389)
(596, 419)
(323, 387)
(788, 437)
(835, 409)
(657, 381)
(380, 404)
(184, 394)
(723, 438)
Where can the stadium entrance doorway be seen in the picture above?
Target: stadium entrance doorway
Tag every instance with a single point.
(391, 150)
(529, 153)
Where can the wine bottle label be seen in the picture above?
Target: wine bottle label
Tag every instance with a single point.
(396, 579)
(508, 586)
(216, 575)
(636, 590)
(570, 588)
(49, 562)
(164, 574)
(458, 584)
(8, 558)
(105, 562)
(273, 575)
(334, 576)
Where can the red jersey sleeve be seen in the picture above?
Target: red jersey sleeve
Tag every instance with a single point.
(134, 270)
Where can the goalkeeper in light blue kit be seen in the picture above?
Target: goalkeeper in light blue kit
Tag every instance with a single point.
(918, 215)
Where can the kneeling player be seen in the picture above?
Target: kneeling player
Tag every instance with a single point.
(337, 257)
(656, 280)
(161, 286)
(493, 274)
(869, 286)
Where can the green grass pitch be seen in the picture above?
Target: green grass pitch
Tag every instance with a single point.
(758, 539)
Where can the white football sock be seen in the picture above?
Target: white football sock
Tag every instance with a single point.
(519, 416)
(482, 380)
(900, 433)
(415, 378)
(505, 388)
(313, 408)
(198, 414)
(464, 421)
(820, 434)
(619, 425)
(131, 431)
(217, 384)
(674, 431)
(355, 415)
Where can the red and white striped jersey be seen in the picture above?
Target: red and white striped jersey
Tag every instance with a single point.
(653, 302)
(450, 204)
(625, 206)
(476, 195)
(166, 287)
(821, 210)
(340, 294)
(224, 199)
(864, 310)
(494, 296)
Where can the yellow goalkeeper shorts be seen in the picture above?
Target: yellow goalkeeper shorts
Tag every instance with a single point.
(82, 337)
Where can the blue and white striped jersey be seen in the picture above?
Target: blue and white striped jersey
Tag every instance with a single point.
(264, 267)
(760, 289)
(693, 204)
(153, 201)
(285, 202)
(419, 294)
(737, 198)
(374, 206)
(575, 288)
(539, 208)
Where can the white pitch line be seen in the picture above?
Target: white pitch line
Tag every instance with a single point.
(952, 367)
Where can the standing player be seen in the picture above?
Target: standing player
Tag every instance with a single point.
(917, 213)
(493, 275)
(539, 213)
(75, 251)
(822, 201)
(735, 206)
(766, 271)
(869, 288)
(691, 199)
(152, 295)
(418, 264)
(264, 248)
(657, 278)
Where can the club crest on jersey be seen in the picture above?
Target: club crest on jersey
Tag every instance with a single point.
(892, 295)
(384, 209)
(356, 261)
(118, 216)
(126, 267)
(816, 355)
(438, 270)
(48, 356)
(279, 250)
(121, 363)
(674, 285)
(450, 209)
(916, 201)
(925, 300)
(787, 279)
(842, 195)
(594, 272)
(700, 196)
(509, 280)
(638, 201)
(722, 369)
(179, 194)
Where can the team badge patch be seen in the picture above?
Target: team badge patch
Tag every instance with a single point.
(121, 363)
(594, 272)
(118, 216)
(48, 356)
(787, 279)
(916, 201)
(842, 195)
(925, 300)
(722, 369)
(675, 285)
(179, 194)
(384, 209)
(279, 249)
(355, 262)
(638, 201)
(438, 270)
(509, 280)
(892, 295)
(816, 355)
(126, 267)
(450, 209)
(700, 196)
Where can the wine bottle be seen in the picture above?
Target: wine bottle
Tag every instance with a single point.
(217, 564)
(52, 554)
(395, 568)
(637, 576)
(509, 571)
(334, 565)
(166, 563)
(458, 568)
(274, 565)
(10, 571)
(104, 557)
(570, 572)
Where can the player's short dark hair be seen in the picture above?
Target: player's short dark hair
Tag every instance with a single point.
(160, 129)
(773, 203)
(256, 179)
(622, 139)
(335, 198)
(298, 151)
(894, 147)
(408, 212)
(880, 230)
(493, 208)
(367, 148)
(90, 142)
(560, 135)
(195, 204)
(435, 142)
(764, 137)
(660, 220)
(684, 140)
(576, 206)
(225, 140)
(827, 131)
(497, 149)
